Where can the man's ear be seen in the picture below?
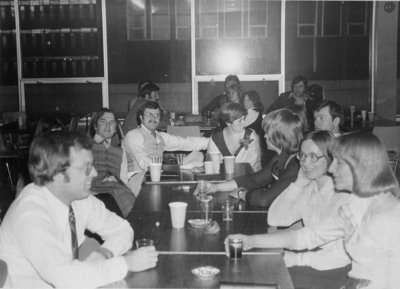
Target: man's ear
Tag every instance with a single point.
(61, 177)
(336, 121)
(141, 118)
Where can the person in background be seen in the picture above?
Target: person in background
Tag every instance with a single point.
(329, 116)
(217, 102)
(235, 139)
(252, 102)
(42, 230)
(311, 199)
(110, 162)
(298, 95)
(283, 133)
(45, 125)
(367, 224)
(145, 141)
(148, 91)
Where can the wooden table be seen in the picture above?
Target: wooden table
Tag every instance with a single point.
(174, 271)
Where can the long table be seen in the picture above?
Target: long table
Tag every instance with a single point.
(181, 250)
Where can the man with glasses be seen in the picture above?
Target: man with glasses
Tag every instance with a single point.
(44, 227)
(111, 163)
(144, 142)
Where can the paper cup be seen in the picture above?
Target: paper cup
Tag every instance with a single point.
(216, 159)
(155, 172)
(364, 115)
(229, 162)
(209, 167)
(178, 214)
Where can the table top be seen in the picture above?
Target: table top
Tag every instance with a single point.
(174, 271)
(157, 226)
(172, 174)
(155, 198)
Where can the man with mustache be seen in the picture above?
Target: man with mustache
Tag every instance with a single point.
(144, 142)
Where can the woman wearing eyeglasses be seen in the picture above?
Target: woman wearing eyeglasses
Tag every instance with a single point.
(311, 199)
(368, 224)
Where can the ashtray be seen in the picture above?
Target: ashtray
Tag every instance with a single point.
(205, 271)
(197, 223)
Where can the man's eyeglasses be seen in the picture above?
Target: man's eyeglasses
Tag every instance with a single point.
(311, 156)
(87, 169)
(104, 122)
(152, 115)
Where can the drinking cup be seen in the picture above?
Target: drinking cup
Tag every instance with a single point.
(202, 189)
(143, 243)
(178, 214)
(216, 159)
(229, 162)
(155, 172)
(209, 167)
(235, 248)
(364, 115)
(172, 115)
(156, 159)
(227, 211)
(179, 158)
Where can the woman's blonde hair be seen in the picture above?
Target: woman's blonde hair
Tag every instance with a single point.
(369, 163)
(284, 130)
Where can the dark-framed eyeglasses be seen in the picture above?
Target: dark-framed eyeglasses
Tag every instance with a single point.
(311, 156)
(104, 122)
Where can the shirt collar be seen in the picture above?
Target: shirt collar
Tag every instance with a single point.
(100, 140)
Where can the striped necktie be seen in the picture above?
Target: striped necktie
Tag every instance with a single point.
(74, 239)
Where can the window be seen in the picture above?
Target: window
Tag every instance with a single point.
(208, 18)
(307, 19)
(357, 18)
(233, 16)
(182, 20)
(258, 19)
(331, 18)
(136, 17)
(138, 13)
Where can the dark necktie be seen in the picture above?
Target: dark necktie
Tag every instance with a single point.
(74, 239)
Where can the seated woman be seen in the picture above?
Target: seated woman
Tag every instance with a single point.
(368, 224)
(235, 139)
(110, 161)
(283, 133)
(311, 199)
(252, 102)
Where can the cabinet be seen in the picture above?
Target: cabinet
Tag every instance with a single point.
(60, 38)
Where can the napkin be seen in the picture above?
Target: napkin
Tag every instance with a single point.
(193, 160)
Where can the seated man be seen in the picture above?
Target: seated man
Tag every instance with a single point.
(329, 116)
(110, 162)
(148, 91)
(41, 232)
(144, 142)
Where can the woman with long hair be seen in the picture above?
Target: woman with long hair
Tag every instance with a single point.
(368, 224)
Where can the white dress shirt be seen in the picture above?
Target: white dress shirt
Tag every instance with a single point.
(371, 232)
(35, 241)
(311, 205)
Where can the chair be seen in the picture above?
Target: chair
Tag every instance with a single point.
(74, 122)
(3, 273)
(13, 116)
(390, 137)
(7, 155)
(184, 131)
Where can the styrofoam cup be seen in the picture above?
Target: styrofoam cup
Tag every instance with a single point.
(209, 167)
(178, 214)
(155, 172)
(229, 162)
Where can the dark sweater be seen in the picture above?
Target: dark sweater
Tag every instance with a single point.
(264, 186)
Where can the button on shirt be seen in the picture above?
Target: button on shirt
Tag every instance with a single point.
(35, 241)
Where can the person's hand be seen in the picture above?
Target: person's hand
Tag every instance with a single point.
(239, 193)
(141, 259)
(247, 242)
(208, 188)
(302, 179)
(290, 259)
